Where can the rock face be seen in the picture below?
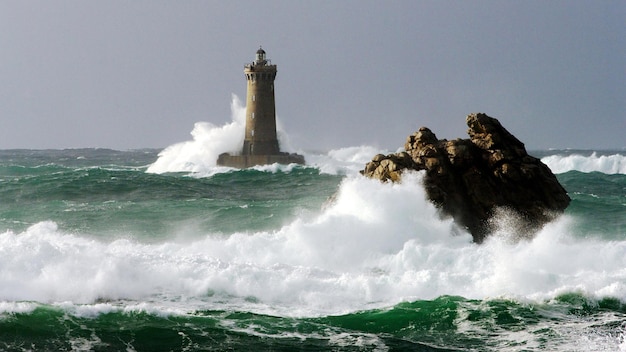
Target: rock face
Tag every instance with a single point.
(473, 179)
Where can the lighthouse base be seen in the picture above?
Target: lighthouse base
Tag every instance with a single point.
(246, 161)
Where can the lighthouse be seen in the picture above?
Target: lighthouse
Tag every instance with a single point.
(260, 137)
(260, 145)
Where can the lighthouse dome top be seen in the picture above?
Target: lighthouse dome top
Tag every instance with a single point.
(260, 55)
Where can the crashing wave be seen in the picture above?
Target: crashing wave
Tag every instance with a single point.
(607, 164)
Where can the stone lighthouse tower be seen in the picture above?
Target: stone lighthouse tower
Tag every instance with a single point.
(260, 145)
(260, 138)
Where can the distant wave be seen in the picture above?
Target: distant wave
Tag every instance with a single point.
(608, 164)
(199, 155)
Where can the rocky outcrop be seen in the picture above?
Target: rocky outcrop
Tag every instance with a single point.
(473, 179)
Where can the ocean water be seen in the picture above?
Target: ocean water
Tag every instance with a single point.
(162, 250)
(150, 250)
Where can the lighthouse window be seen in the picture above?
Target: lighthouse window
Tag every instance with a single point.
(253, 99)
(252, 133)
(252, 117)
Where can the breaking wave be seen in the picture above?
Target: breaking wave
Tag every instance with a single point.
(608, 164)
(209, 141)
(376, 245)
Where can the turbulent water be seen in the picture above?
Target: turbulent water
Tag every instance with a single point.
(147, 250)
(106, 250)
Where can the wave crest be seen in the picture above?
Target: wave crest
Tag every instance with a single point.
(608, 164)
(375, 245)
(199, 155)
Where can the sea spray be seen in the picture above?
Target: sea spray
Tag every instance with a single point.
(343, 161)
(200, 154)
(97, 254)
(608, 164)
(374, 246)
(209, 141)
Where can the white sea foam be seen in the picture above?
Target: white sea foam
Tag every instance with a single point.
(343, 161)
(209, 141)
(608, 164)
(10, 307)
(199, 155)
(376, 245)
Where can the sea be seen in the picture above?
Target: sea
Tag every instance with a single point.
(162, 250)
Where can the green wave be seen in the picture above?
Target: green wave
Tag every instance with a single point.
(151, 207)
(599, 199)
(447, 323)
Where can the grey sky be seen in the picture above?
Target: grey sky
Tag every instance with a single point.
(132, 74)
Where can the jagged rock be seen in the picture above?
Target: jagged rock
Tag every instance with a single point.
(473, 179)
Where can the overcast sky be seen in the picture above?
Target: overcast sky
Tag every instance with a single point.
(134, 74)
